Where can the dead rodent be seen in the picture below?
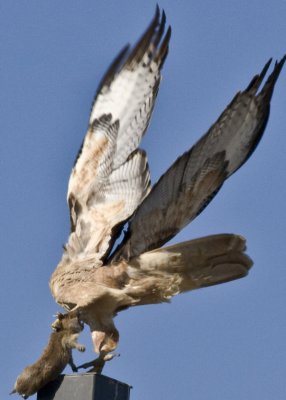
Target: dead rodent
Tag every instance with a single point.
(55, 357)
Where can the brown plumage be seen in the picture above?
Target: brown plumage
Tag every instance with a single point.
(110, 184)
(55, 357)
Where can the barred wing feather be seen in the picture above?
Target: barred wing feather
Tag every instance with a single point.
(194, 179)
(111, 177)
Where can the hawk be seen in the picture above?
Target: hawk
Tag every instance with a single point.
(109, 187)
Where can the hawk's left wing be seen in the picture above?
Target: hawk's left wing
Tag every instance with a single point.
(111, 176)
(194, 179)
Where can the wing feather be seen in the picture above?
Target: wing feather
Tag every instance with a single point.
(194, 179)
(129, 91)
(111, 177)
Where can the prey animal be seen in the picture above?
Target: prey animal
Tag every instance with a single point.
(110, 186)
(54, 358)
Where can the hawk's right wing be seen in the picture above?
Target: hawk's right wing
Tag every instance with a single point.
(194, 179)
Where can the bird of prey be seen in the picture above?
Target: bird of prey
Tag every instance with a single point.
(109, 187)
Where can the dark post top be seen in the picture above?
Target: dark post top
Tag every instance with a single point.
(88, 386)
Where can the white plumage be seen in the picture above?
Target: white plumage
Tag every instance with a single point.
(110, 185)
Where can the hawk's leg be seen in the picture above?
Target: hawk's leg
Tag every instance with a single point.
(98, 364)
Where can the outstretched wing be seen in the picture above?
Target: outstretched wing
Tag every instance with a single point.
(111, 177)
(194, 179)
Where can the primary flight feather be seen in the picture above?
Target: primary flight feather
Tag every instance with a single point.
(110, 185)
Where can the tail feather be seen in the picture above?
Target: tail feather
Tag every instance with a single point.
(198, 263)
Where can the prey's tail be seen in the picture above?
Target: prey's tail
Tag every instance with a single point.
(194, 264)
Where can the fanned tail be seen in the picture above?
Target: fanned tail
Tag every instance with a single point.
(190, 265)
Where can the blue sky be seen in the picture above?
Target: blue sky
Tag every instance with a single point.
(224, 342)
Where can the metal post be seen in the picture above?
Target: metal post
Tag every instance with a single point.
(88, 386)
